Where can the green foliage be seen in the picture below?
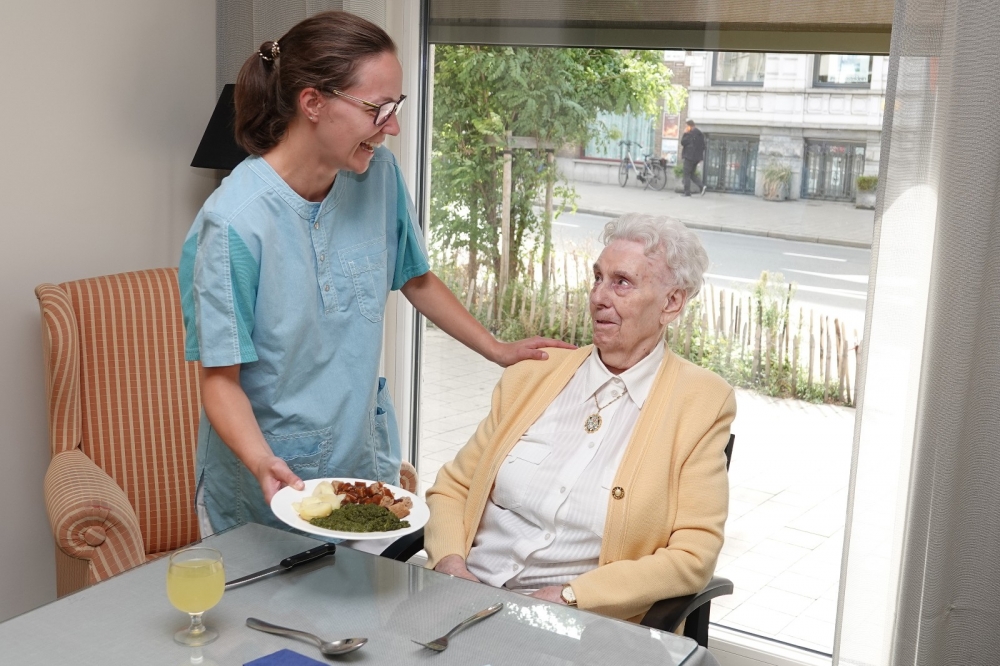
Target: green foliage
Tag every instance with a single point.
(679, 171)
(525, 308)
(867, 183)
(777, 181)
(777, 173)
(765, 367)
(485, 94)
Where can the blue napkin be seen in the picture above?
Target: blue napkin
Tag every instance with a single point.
(284, 658)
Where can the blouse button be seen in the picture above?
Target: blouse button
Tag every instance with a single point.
(322, 257)
(590, 446)
(547, 536)
(563, 489)
(513, 567)
(316, 226)
(326, 287)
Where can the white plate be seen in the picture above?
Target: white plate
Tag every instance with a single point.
(281, 505)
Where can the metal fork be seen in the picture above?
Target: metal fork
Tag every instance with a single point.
(441, 644)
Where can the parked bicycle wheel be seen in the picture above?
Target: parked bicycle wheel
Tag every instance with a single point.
(658, 180)
(623, 173)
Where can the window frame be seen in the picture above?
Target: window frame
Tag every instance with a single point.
(817, 60)
(740, 84)
(728, 644)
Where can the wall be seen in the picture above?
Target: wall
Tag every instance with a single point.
(104, 103)
(243, 25)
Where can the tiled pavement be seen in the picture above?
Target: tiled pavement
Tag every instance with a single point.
(788, 493)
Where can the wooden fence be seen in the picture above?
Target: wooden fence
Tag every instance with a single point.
(757, 341)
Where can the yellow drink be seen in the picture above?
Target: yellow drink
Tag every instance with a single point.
(195, 585)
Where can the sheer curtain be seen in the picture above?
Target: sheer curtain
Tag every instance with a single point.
(920, 582)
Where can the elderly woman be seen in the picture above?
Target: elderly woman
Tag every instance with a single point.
(599, 477)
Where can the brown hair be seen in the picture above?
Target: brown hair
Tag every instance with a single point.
(322, 52)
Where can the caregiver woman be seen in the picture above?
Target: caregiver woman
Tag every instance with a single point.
(285, 272)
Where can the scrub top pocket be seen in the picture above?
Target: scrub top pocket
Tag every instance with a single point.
(365, 265)
(306, 453)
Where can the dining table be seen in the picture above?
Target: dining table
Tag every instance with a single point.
(128, 619)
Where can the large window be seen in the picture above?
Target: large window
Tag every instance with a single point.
(743, 69)
(778, 318)
(846, 71)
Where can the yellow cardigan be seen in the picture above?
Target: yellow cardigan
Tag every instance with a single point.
(663, 536)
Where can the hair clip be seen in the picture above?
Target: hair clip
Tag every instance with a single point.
(275, 52)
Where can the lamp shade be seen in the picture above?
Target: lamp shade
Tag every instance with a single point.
(218, 148)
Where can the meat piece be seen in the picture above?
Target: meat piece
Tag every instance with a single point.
(399, 510)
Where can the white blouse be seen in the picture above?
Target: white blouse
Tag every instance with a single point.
(544, 520)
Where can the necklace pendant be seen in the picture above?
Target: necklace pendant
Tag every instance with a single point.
(593, 423)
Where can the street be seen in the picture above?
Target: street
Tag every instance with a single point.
(828, 277)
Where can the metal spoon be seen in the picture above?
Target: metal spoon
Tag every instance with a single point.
(330, 649)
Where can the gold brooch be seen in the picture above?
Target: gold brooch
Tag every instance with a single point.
(618, 492)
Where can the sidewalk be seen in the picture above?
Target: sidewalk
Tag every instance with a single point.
(830, 222)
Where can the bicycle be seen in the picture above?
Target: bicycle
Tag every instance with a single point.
(652, 174)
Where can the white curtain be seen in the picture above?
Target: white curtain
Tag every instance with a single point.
(921, 573)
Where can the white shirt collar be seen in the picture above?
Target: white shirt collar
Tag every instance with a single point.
(638, 379)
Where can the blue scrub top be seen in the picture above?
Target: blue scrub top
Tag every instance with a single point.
(294, 292)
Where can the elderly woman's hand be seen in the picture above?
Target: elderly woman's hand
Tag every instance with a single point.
(454, 565)
(509, 353)
(550, 593)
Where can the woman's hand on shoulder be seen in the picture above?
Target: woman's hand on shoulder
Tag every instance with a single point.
(454, 565)
(550, 593)
(509, 353)
(273, 474)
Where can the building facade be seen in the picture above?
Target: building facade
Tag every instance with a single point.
(818, 115)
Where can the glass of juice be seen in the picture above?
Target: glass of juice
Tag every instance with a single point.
(195, 581)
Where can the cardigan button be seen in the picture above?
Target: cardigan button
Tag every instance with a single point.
(618, 492)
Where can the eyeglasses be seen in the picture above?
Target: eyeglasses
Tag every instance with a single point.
(385, 111)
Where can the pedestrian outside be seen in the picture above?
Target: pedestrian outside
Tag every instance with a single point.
(692, 153)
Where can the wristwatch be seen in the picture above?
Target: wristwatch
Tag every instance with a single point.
(568, 595)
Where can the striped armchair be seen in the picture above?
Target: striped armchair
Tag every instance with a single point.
(123, 408)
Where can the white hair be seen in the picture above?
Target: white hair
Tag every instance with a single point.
(682, 251)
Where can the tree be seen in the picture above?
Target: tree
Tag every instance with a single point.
(485, 94)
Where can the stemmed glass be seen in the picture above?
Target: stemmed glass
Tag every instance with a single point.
(195, 581)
